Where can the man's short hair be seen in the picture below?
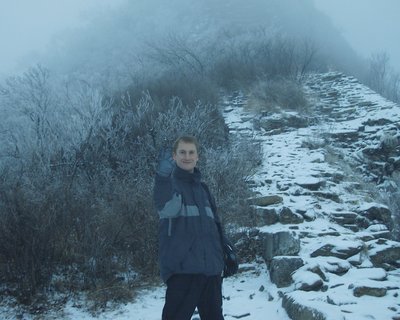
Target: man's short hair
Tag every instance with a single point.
(186, 139)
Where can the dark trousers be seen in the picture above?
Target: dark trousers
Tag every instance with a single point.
(185, 292)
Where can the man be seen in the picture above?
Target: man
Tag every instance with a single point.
(190, 236)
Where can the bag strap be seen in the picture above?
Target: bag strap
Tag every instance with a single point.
(216, 216)
(230, 259)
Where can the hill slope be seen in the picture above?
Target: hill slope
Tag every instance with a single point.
(325, 220)
(324, 244)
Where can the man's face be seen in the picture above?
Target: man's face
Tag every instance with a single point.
(186, 156)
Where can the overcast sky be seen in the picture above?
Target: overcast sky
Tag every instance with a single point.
(27, 26)
(370, 26)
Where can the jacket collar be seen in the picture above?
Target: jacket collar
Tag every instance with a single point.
(186, 176)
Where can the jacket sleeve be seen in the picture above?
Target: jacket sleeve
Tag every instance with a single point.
(168, 202)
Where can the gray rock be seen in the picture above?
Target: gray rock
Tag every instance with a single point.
(327, 195)
(287, 216)
(281, 269)
(308, 215)
(281, 243)
(297, 311)
(311, 184)
(337, 268)
(369, 291)
(384, 253)
(266, 200)
(307, 280)
(380, 231)
(343, 218)
(377, 213)
(345, 136)
(341, 252)
(315, 286)
(266, 216)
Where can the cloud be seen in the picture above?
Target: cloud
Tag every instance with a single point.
(26, 27)
(370, 26)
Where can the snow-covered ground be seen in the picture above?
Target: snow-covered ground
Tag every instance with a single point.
(250, 295)
(288, 164)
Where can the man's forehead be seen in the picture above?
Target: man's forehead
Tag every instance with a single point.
(186, 145)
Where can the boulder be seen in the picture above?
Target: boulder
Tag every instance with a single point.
(377, 213)
(346, 136)
(266, 216)
(327, 195)
(310, 183)
(265, 201)
(344, 250)
(287, 216)
(332, 265)
(281, 243)
(343, 218)
(384, 253)
(379, 231)
(308, 215)
(359, 291)
(306, 280)
(281, 269)
(298, 311)
(374, 153)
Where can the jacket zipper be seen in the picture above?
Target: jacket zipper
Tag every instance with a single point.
(169, 226)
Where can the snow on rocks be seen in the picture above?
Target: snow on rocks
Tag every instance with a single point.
(346, 266)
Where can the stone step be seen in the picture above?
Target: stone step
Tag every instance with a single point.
(344, 218)
(352, 227)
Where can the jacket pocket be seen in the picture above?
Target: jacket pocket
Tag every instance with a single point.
(174, 250)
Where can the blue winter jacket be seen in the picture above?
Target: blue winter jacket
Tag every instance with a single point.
(189, 241)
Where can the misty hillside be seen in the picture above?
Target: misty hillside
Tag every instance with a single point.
(117, 46)
(81, 132)
(323, 239)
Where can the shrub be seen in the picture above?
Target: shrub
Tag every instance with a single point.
(78, 201)
(272, 95)
(228, 170)
(242, 59)
(77, 168)
(189, 87)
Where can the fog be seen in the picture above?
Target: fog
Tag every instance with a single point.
(28, 27)
(116, 81)
(105, 35)
(370, 26)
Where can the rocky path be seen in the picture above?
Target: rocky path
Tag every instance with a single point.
(326, 244)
